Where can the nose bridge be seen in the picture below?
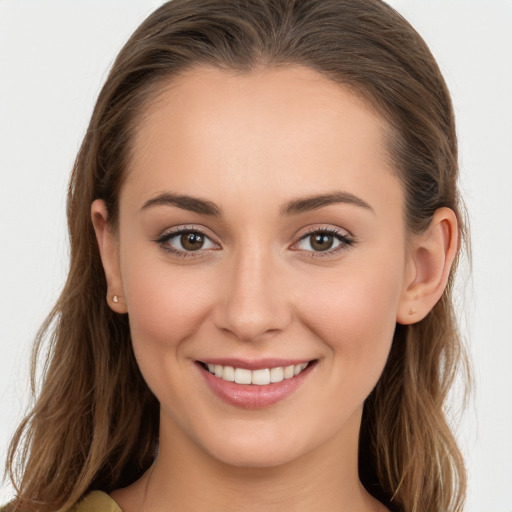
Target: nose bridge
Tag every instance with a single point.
(254, 303)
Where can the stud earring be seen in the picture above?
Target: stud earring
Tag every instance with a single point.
(115, 299)
(412, 311)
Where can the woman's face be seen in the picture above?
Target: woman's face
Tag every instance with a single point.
(261, 228)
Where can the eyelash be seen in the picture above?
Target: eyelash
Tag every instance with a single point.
(163, 242)
(345, 240)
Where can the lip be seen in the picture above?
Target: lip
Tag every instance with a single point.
(254, 364)
(250, 396)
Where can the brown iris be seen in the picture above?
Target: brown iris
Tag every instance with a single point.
(322, 241)
(192, 241)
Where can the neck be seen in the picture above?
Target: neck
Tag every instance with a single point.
(187, 479)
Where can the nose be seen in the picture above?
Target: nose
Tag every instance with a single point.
(253, 303)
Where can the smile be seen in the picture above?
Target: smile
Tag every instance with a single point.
(255, 384)
(261, 377)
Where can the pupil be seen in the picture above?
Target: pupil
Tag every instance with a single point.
(322, 242)
(192, 241)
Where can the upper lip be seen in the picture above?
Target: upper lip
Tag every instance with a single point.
(253, 364)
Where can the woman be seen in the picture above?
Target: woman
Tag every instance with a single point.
(264, 224)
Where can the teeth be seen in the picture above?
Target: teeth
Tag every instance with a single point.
(243, 376)
(228, 373)
(261, 377)
(276, 374)
(257, 377)
(298, 368)
(289, 372)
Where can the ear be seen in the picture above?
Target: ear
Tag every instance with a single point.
(430, 259)
(108, 246)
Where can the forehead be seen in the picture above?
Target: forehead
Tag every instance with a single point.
(289, 130)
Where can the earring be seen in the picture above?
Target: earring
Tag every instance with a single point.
(412, 311)
(115, 299)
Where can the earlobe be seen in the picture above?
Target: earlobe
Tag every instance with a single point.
(108, 247)
(430, 260)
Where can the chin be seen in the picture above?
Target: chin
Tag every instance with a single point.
(254, 456)
(265, 444)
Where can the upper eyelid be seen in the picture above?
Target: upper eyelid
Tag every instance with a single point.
(170, 232)
(304, 232)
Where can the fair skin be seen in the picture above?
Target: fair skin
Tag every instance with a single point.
(263, 272)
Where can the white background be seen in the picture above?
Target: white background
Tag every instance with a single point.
(53, 58)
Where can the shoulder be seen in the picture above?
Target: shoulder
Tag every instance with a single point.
(96, 501)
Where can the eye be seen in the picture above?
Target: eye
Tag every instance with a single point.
(186, 241)
(323, 241)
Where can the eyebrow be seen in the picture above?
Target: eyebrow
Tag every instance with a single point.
(316, 202)
(189, 203)
(294, 207)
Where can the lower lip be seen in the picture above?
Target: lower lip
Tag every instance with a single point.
(252, 396)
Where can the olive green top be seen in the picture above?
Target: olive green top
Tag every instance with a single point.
(96, 501)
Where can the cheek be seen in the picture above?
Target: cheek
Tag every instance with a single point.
(354, 314)
(165, 305)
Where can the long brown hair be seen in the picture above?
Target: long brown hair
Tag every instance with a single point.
(94, 424)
